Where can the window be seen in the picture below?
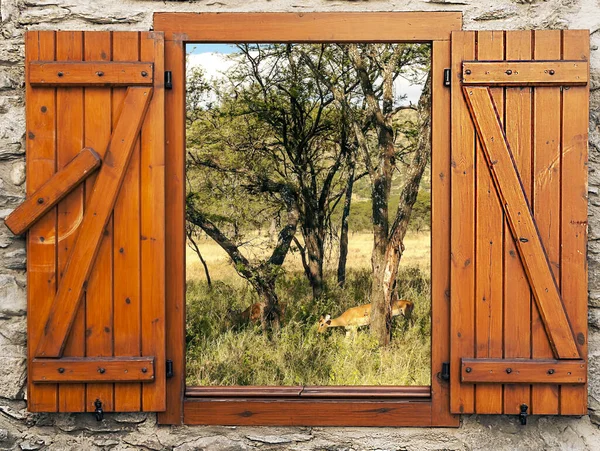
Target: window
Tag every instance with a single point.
(254, 405)
(106, 159)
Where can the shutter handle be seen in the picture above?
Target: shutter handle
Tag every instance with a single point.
(99, 413)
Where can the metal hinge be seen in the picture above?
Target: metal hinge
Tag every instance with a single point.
(168, 79)
(169, 368)
(447, 77)
(445, 373)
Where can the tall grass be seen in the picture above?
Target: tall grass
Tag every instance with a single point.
(223, 350)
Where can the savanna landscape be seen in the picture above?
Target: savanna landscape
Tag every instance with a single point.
(308, 197)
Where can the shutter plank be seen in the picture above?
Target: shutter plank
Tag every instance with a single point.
(574, 213)
(523, 371)
(152, 199)
(46, 73)
(525, 73)
(70, 131)
(546, 201)
(99, 301)
(126, 250)
(489, 241)
(41, 240)
(517, 295)
(49, 194)
(519, 216)
(101, 369)
(499, 158)
(94, 221)
(462, 280)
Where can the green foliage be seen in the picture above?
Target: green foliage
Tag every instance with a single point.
(223, 350)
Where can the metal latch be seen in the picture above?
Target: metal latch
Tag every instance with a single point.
(169, 368)
(523, 414)
(99, 413)
(168, 79)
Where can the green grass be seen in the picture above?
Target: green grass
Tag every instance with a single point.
(223, 351)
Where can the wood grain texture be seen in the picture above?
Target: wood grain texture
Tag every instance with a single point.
(574, 210)
(347, 392)
(70, 132)
(175, 231)
(104, 370)
(524, 73)
(523, 371)
(489, 232)
(126, 244)
(152, 227)
(523, 225)
(440, 236)
(99, 293)
(270, 412)
(54, 190)
(41, 239)
(545, 201)
(462, 288)
(78, 269)
(90, 73)
(306, 27)
(517, 295)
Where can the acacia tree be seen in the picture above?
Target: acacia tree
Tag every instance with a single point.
(295, 111)
(227, 198)
(377, 67)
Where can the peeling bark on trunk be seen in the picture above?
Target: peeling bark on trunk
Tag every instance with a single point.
(388, 241)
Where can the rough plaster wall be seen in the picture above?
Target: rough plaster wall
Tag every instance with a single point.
(21, 430)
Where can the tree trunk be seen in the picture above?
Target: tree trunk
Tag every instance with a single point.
(199, 254)
(270, 318)
(315, 254)
(341, 271)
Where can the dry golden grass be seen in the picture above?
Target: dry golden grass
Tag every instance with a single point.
(417, 253)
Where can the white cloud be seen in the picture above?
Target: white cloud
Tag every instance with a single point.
(215, 64)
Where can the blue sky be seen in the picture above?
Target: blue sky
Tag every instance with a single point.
(196, 49)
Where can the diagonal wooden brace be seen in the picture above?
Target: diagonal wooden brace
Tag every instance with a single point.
(102, 201)
(53, 191)
(520, 218)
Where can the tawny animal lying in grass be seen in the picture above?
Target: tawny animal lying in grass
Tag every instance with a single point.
(254, 312)
(355, 317)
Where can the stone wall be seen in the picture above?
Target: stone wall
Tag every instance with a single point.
(21, 430)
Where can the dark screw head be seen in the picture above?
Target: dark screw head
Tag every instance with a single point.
(60, 74)
(99, 73)
(508, 72)
(144, 370)
(508, 370)
(144, 73)
(550, 371)
(468, 369)
(61, 370)
(468, 72)
(101, 370)
(551, 71)
(40, 200)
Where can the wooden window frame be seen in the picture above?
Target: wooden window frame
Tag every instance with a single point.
(317, 406)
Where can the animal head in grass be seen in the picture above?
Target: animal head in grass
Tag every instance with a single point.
(406, 309)
(324, 323)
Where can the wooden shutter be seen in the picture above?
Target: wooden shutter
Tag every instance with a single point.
(96, 291)
(519, 222)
